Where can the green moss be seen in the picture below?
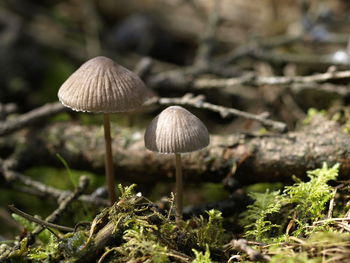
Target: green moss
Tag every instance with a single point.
(325, 246)
(47, 253)
(294, 258)
(310, 198)
(141, 243)
(202, 257)
(258, 217)
(292, 210)
(289, 224)
(209, 232)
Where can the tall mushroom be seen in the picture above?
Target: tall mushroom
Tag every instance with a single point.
(101, 85)
(176, 130)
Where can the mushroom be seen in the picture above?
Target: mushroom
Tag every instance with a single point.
(176, 130)
(101, 85)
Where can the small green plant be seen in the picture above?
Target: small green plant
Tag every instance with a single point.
(45, 236)
(209, 232)
(45, 253)
(310, 198)
(69, 172)
(142, 244)
(29, 226)
(257, 216)
(126, 192)
(302, 203)
(200, 257)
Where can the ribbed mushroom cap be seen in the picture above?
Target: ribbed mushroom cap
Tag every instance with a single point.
(101, 85)
(176, 130)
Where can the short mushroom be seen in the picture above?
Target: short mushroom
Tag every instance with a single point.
(176, 130)
(101, 85)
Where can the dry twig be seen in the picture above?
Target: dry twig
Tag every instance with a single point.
(53, 217)
(52, 109)
(225, 112)
(242, 246)
(31, 117)
(65, 202)
(276, 58)
(39, 221)
(15, 178)
(251, 79)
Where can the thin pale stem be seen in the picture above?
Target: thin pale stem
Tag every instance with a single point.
(179, 187)
(109, 160)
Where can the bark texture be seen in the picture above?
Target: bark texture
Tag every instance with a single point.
(246, 158)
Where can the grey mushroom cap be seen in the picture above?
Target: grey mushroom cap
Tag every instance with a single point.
(102, 85)
(176, 130)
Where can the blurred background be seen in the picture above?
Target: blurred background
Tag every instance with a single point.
(43, 42)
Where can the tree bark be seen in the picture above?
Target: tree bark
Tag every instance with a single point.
(246, 158)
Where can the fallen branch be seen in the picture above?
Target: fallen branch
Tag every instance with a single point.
(247, 49)
(225, 112)
(304, 59)
(31, 117)
(246, 158)
(52, 109)
(253, 80)
(38, 188)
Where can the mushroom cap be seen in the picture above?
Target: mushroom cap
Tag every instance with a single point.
(176, 130)
(102, 85)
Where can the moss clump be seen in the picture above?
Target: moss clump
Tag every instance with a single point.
(258, 217)
(275, 215)
(293, 224)
(209, 232)
(132, 230)
(325, 246)
(201, 257)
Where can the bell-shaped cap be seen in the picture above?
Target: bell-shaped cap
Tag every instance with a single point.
(176, 130)
(101, 85)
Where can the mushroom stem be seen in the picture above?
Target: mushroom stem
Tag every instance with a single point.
(109, 159)
(179, 188)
